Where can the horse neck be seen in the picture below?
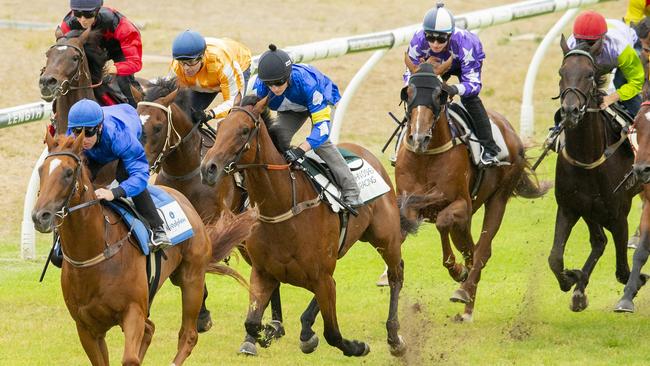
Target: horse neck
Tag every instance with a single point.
(187, 157)
(271, 190)
(587, 142)
(441, 133)
(64, 102)
(82, 231)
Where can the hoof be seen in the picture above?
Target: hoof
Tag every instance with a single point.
(464, 318)
(274, 330)
(624, 306)
(460, 295)
(399, 349)
(366, 350)
(248, 349)
(310, 345)
(383, 280)
(579, 301)
(204, 322)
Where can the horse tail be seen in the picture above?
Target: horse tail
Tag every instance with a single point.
(528, 185)
(407, 202)
(225, 235)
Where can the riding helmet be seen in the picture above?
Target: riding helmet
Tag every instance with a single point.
(589, 25)
(86, 5)
(85, 113)
(274, 64)
(188, 45)
(439, 20)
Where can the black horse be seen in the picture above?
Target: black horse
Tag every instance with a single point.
(594, 159)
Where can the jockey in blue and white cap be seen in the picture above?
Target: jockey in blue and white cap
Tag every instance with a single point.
(456, 52)
(112, 133)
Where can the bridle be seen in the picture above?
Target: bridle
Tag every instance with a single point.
(66, 85)
(587, 98)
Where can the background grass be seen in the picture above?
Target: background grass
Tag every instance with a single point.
(521, 315)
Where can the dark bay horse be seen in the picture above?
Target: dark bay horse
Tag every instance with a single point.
(104, 279)
(174, 146)
(593, 161)
(70, 72)
(296, 241)
(641, 170)
(434, 179)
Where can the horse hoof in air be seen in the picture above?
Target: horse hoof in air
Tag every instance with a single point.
(460, 295)
(204, 323)
(579, 301)
(248, 349)
(310, 345)
(624, 306)
(274, 330)
(464, 318)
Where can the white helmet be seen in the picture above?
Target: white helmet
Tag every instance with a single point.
(439, 20)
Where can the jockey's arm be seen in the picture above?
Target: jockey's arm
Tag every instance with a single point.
(131, 43)
(320, 130)
(410, 65)
(636, 10)
(135, 162)
(231, 82)
(630, 65)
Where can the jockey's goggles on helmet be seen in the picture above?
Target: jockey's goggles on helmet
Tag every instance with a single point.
(588, 42)
(190, 63)
(90, 131)
(278, 82)
(85, 13)
(436, 37)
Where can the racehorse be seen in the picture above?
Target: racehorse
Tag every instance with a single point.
(104, 277)
(592, 162)
(70, 71)
(297, 239)
(174, 147)
(434, 179)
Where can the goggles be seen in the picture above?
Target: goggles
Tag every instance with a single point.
(88, 14)
(436, 37)
(90, 131)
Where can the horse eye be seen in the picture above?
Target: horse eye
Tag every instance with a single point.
(245, 131)
(68, 173)
(157, 129)
(76, 57)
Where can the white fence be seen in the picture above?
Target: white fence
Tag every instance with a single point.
(379, 42)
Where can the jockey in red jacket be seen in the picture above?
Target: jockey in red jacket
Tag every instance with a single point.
(121, 40)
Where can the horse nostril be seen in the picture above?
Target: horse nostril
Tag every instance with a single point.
(47, 81)
(212, 168)
(45, 216)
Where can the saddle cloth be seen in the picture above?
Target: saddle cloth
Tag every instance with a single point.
(370, 182)
(175, 221)
(460, 115)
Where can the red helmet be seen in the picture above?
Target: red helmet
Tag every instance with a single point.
(589, 25)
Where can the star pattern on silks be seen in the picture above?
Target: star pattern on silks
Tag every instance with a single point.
(469, 55)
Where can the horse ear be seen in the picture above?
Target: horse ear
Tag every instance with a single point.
(49, 139)
(238, 99)
(169, 98)
(84, 36)
(78, 143)
(595, 49)
(138, 96)
(58, 33)
(259, 106)
(564, 45)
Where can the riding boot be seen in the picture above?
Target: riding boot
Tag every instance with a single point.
(341, 171)
(144, 204)
(482, 129)
(125, 83)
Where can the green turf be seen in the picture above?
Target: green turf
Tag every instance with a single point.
(521, 315)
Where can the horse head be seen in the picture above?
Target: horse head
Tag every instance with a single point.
(67, 66)
(60, 176)
(165, 118)
(424, 100)
(579, 76)
(237, 141)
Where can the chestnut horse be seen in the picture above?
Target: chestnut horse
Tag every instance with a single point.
(297, 239)
(104, 279)
(174, 146)
(434, 176)
(592, 162)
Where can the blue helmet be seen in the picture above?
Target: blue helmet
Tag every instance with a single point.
(188, 45)
(85, 5)
(85, 113)
(439, 20)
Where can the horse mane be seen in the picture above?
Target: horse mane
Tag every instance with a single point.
(95, 54)
(163, 86)
(253, 99)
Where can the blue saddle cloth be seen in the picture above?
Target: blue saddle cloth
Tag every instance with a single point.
(140, 230)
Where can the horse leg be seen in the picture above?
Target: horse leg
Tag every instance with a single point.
(456, 214)
(495, 208)
(325, 291)
(275, 329)
(620, 234)
(261, 288)
(149, 329)
(636, 280)
(133, 328)
(564, 222)
(192, 291)
(395, 281)
(309, 339)
(93, 346)
(204, 322)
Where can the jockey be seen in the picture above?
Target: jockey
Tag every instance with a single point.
(121, 39)
(456, 52)
(111, 133)
(208, 66)
(298, 92)
(636, 10)
(617, 51)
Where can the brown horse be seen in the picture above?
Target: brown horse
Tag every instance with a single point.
(428, 150)
(104, 279)
(174, 146)
(297, 239)
(592, 162)
(69, 72)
